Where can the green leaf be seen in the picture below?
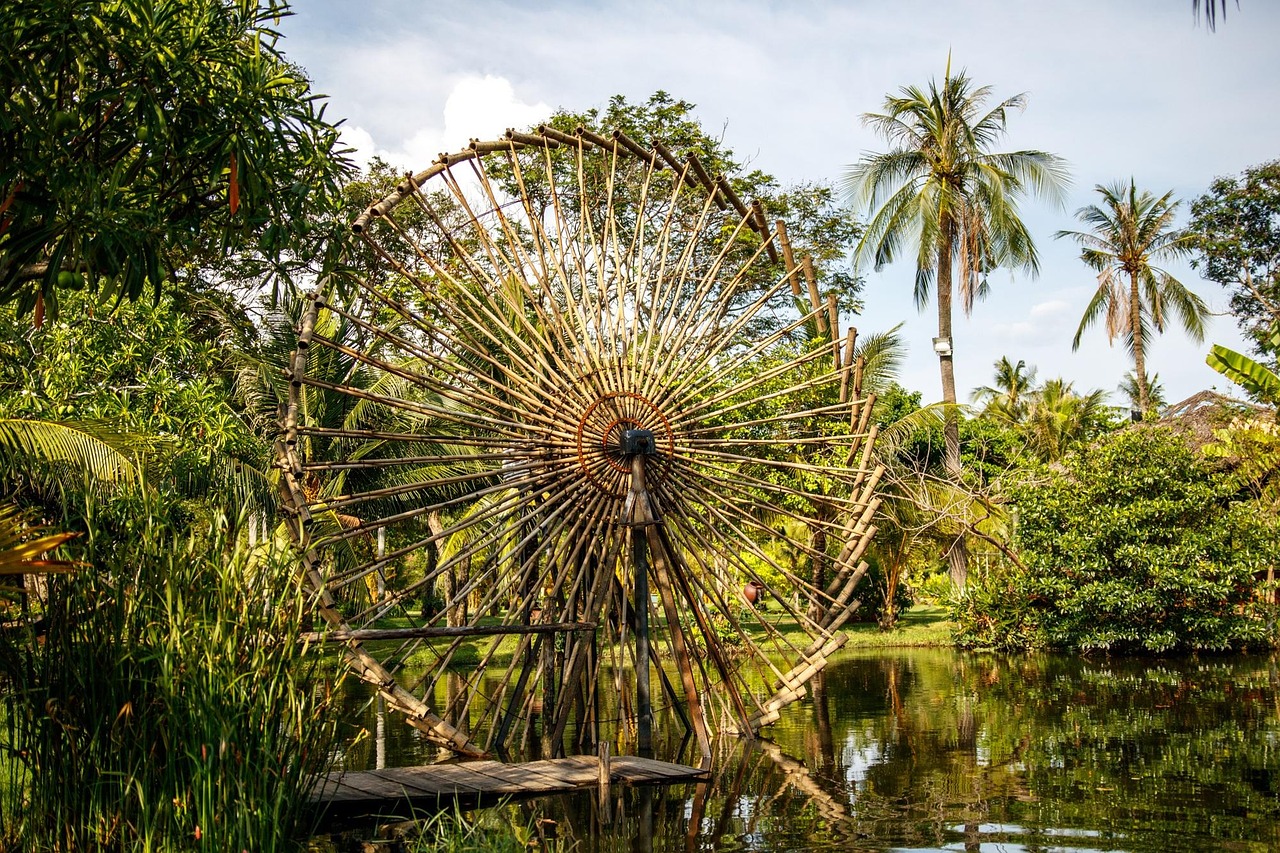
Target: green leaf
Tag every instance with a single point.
(1256, 378)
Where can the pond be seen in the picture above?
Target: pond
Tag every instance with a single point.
(932, 749)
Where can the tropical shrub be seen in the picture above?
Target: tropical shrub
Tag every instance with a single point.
(160, 700)
(1133, 545)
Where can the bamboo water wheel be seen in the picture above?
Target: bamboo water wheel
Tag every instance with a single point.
(581, 379)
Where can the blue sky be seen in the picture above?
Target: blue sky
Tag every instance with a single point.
(1118, 89)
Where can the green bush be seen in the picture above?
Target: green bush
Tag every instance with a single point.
(160, 700)
(936, 588)
(1134, 545)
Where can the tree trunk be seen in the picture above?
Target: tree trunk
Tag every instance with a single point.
(958, 556)
(818, 573)
(893, 576)
(1139, 357)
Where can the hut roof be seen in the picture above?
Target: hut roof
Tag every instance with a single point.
(1203, 412)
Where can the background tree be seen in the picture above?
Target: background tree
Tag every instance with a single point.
(1235, 231)
(943, 191)
(1059, 419)
(1131, 231)
(1136, 544)
(142, 142)
(1131, 389)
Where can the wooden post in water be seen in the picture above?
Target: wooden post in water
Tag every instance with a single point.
(380, 735)
(602, 793)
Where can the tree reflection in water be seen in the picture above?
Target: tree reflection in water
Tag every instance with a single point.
(939, 750)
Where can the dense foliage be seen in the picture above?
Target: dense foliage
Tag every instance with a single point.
(161, 700)
(142, 141)
(1134, 544)
(158, 381)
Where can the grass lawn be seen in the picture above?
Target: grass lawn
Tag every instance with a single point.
(921, 625)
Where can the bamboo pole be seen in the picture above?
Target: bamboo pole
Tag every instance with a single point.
(727, 191)
(815, 300)
(550, 133)
(788, 258)
(762, 228)
(700, 173)
(344, 635)
(833, 322)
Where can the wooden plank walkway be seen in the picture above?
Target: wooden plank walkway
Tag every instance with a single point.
(368, 791)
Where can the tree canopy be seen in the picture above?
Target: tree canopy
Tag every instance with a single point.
(142, 140)
(1235, 232)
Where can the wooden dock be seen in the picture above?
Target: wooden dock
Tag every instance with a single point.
(370, 791)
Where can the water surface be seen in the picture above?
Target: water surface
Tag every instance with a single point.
(939, 750)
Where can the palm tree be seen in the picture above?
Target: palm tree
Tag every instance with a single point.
(1211, 12)
(1059, 419)
(1007, 399)
(942, 190)
(1131, 231)
(1129, 387)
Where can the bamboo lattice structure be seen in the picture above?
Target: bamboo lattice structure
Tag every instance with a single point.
(460, 423)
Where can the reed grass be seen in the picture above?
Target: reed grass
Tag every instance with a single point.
(501, 829)
(158, 700)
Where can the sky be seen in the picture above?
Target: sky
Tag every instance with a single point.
(1119, 89)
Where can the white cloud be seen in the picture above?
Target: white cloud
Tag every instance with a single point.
(1048, 309)
(1016, 331)
(361, 143)
(477, 108)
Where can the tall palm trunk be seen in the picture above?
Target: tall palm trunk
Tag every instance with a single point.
(958, 556)
(1139, 357)
(951, 429)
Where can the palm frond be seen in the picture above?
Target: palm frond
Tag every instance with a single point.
(103, 452)
(23, 546)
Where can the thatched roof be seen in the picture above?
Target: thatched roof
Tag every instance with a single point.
(1202, 413)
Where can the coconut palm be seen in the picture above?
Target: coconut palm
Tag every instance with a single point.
(1130, 232)
(942, 190)
(1007, 399)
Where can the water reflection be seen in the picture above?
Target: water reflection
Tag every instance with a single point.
(937, 750)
